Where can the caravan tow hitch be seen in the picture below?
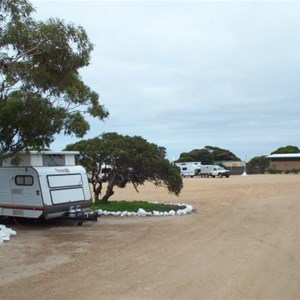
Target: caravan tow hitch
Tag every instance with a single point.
(92, 217)
(75, 213)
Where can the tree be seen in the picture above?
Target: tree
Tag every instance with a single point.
(41, 91)
(287, 149)
(220, 154)
(258, 164)
(132, 160)
(207, 155)
(202, 155)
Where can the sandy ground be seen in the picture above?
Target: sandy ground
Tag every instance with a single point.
(243, 242)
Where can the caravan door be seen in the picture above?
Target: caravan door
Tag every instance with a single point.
(26, 198)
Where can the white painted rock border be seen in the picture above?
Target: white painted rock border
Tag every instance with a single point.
(5, 233)
(142, 213)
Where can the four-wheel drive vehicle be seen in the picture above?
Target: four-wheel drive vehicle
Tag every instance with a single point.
(213, 171)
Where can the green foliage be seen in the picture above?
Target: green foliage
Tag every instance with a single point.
(41, 92)
(259, 161)
(134, 206)
(202, 155)
(273, 171)
(132, 160)
(292, 171)
(220, 154)
(287, 149)
(207, 155)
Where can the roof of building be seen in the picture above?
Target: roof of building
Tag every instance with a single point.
(232, 164)
(49, 152)
(284, 155)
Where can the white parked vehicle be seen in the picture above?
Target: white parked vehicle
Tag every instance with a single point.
(104, 171)
(45, 185)
(213, 171)
(189, 168)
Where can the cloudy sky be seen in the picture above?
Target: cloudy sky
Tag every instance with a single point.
(186, 74)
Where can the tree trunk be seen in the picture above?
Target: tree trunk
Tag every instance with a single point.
(97, 192)
(109, 190)
(97, 188)
(96, 182)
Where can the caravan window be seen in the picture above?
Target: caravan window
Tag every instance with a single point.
(58, 181)
(24, 180)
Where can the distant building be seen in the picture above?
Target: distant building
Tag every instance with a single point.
(284, 162)
(241, 167)
(235, 167)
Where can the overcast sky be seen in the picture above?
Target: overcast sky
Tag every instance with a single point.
(186, 74)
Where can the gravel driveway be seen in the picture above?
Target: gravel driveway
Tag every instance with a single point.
(242, 242)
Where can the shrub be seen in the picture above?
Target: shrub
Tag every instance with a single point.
(134, 206)
(273, 171)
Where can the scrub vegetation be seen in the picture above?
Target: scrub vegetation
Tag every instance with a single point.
(134, 206)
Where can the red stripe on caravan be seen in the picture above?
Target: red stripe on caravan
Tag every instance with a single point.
(23, 207)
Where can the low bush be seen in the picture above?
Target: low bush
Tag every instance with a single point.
(294, 171)
(133, 206)
(273, 171)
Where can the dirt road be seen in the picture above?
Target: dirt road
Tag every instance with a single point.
(243, 242)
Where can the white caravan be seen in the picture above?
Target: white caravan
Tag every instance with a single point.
(44, 185)
(104, 171)
(189, 168)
